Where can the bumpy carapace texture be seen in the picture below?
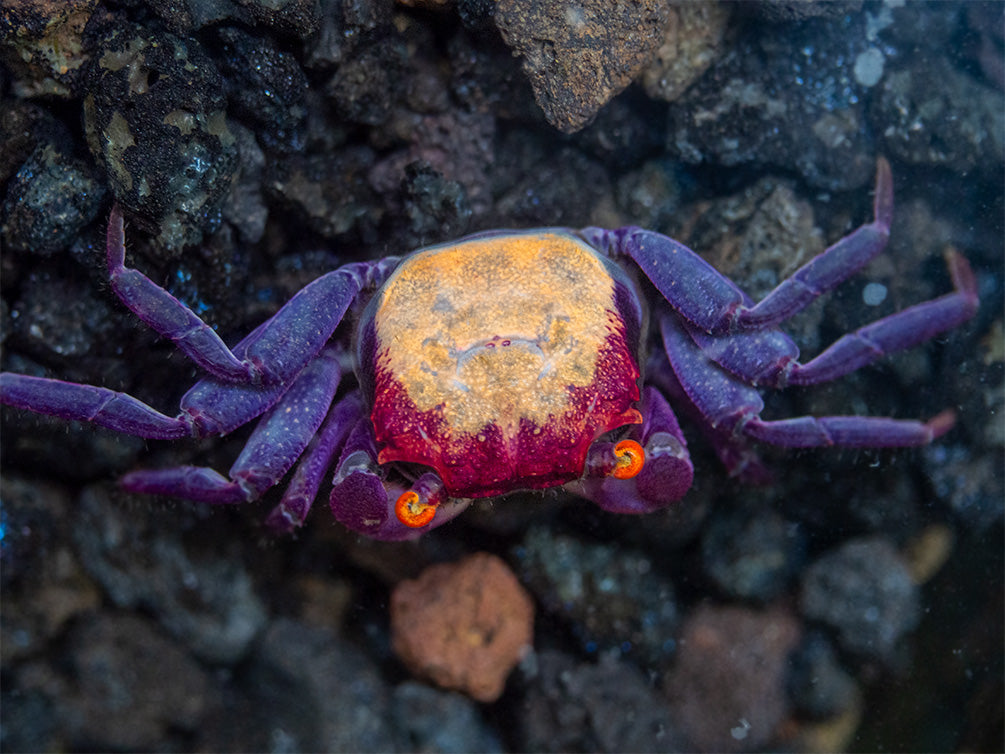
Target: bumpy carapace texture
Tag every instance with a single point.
(498, 361)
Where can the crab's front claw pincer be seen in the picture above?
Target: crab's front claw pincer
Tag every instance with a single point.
(650, 470)
(362, 499)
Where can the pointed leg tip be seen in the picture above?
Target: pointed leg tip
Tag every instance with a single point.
(961, 273)
(941, 423)
(883, 207)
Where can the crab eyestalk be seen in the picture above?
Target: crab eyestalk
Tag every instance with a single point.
(416, 507)
(623, 460)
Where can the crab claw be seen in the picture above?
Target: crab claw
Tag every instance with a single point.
(363, 500)
(643, 474)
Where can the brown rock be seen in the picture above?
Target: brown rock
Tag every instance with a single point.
(463, 625)
(579, 54)
(692, 40)
(727, 689)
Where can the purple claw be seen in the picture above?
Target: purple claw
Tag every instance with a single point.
(363, 500)
(666, 475)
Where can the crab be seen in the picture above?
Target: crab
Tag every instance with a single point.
(504, 361)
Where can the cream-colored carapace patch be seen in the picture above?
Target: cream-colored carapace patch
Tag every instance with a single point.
(495, 330)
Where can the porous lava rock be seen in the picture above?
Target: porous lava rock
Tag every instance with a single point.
(463, 625)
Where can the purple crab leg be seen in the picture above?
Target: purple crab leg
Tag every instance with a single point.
(731, 407)
(277, 350)
(770, 358)
(277, 442)
(209, 408)
(108, 408)
(310, 472)
(714, 304)
(666, 475)
(166, 314)
(363, 499)
(735, 452)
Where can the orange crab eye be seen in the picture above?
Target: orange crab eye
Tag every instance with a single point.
(630, 459)
(412, 512)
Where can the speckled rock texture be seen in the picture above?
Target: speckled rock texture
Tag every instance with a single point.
(727, 690)
(578, 55)
(463, 625)
(852, 603)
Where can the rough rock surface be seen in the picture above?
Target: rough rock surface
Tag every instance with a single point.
(727, 689)
(464, 625)
(578, 55)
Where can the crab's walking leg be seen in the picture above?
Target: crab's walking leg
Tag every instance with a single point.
(310, 472)
(364, 500)
(209, 408)
(277, 442)
(769, 358)
(108, 408)
(730, 406)
(735, 452)
(276, 351)
(713, 303)
(666, 474)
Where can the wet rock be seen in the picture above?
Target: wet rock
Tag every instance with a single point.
(245, 205)
(761, 104)
(266, 88)
(609, 707)
(29, 721)
(329, 192)
(486, 78)
(156, 122)
(692, 40)
(296, 18)
(437, 208)
(818, 686)
(437, 721)
(129, 686)
(43, 44)
(186, 16)
(864, 592)
(727, 688)
(934, 114)
(988, 21)
(50, 200)
(650, 196)
(61, 317)
(579, 55)
(972, 486)
(564, 188)
(43, 584)
(751, 554)
(199, 594)
(614, 598)
(758, 238)
(366, 87)
(627, 131)
(787, 11)
(24, 126)
(343, 25)
(319, 692)
(458, 145)
(463, 625)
